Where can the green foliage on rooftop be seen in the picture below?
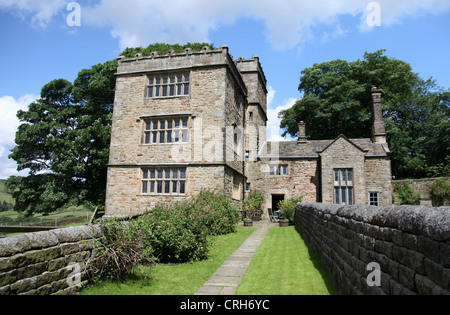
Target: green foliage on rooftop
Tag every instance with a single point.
(163, 48)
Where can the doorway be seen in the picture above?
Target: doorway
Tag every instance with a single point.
(276, 198)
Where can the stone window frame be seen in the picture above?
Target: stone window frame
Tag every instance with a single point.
(279, 170)
(343, 187)
(164, 130)
(374, 198)
(168, 84)
(163, 181)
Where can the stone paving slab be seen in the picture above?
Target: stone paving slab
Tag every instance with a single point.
(227, 277)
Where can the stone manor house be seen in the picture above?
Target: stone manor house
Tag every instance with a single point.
(196, 120)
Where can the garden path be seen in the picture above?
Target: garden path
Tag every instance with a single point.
(228, 276)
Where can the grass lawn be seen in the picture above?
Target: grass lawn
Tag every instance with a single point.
(284, 266)
(182, 279)
(4, 195)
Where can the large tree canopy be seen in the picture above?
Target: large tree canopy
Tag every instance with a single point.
(64, 139)
(64, 142)
(336, 100)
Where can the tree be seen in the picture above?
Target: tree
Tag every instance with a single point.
(336, 100)
(64, 142)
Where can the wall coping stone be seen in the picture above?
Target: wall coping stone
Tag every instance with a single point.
(12, 245)
(429, 221)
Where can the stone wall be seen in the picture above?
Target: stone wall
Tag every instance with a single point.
(213, 107)
(44, 263)
(409, 244)
(302, 180)
(342, 154)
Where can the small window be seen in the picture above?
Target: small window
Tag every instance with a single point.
(373, 198)
(278, 170)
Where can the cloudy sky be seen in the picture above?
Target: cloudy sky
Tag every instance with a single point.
(49, 39)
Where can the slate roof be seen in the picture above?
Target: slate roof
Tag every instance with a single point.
(312, 148)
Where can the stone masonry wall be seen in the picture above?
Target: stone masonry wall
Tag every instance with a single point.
(43, 263)
(410, 244)
(342, 154)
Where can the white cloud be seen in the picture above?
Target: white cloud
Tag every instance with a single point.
(8, 127)
(41, 11)
(273, 123)
(288, 23)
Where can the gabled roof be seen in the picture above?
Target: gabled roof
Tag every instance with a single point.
(312, 148)
(346, 139)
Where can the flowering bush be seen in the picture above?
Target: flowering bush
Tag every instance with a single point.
(252, 203)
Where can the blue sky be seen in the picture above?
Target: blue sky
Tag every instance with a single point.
(38, 45)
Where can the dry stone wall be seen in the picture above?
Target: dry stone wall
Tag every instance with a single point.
(44, 263)
(391, 250)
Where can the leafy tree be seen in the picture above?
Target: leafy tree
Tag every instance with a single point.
(64, 142)
(336, 100)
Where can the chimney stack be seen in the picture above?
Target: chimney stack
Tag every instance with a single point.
(302, 132)
(378, 127)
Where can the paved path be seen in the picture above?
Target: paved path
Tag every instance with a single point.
(227, 278)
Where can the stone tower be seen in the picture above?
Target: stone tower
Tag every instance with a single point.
(178, 127)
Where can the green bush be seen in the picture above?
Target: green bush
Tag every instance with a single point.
(175, 234)
(178, 231)
(404, 194)
(216, 212)
(287, 207)
(440, 191)
(252, 203)
(171, 232)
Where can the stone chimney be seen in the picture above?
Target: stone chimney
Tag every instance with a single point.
(378, 127)
(302, 132)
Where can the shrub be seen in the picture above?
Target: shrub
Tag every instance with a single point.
(404, 194)
(252, 203)
(287, 208)
(175, 233)
(171, 232)
(124, 248)
(440, 191)
(216, 212)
